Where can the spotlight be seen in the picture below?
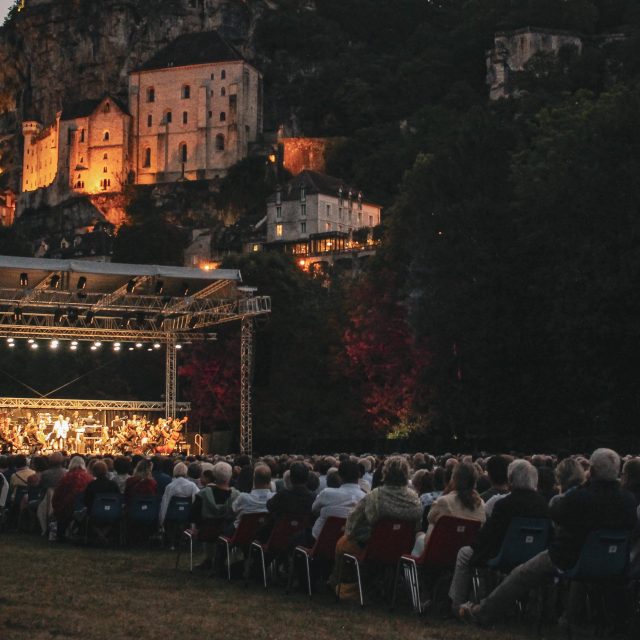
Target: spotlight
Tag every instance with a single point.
(178, 346)
(82, 282)
(72, 314)
(116, 344)
(149, 349)
(97, 343)
(156, 345)
(131, 285)
(89, 317)
(130, 348)
(57, 316)
(17, 314)
(53, 344)
(24, 280)
(73, 347)
(34, 345)
(159, 287)
(12, 344)
(116, 348)
(9, 340)
(54, 283)
(138, 345)
(30, 340)
(93, 347)
(74, 343)
(185, 289)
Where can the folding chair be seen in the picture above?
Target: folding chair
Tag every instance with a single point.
(603, 562)
(389, 540)
(201, 534)
(323, 549)
(142, 512)
(243, 536)
(285, 528)
(449, 535)
(106, 512)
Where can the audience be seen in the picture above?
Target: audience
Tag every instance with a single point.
(179, 487)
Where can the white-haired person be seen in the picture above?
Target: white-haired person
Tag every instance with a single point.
(212, 508)
(256, 500)
(179, 487)
(601, 503)
(522, 501)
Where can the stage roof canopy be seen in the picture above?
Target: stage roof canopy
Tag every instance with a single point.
(98, 300)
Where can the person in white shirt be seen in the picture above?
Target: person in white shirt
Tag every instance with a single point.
(60, 431)
(256, 501)
(179, 487)
(338, 502)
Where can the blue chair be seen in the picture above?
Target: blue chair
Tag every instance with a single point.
(142, 516)
(106, 512)
(177, 519)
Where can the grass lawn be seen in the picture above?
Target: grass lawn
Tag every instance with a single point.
(57, 591)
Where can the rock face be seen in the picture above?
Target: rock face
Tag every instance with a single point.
(58, 51)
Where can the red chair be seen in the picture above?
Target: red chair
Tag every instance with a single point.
(285, 528)
(449, 535)
(389, 540)
(249, 525)
(210, 533)
(323, 549)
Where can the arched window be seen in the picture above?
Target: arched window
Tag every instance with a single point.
(223, 92)
(219, 142)
(147, 157)
(105, 137)
(183, 153)
(186, 92)
(168, 117)
(105, 156)
(151, 94)
(106, 108)
(104, 170)
(223, 116)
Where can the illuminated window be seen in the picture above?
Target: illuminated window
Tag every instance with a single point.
(185, 117)
(151, 94)
(279, 230)
(147, 157)
(219, 142)
(256, 247)
(186, 92)
(149, 120)
(223, 116)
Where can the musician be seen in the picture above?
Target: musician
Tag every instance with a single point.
(60, 432)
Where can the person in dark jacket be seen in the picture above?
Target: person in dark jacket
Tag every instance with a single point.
(296, 500)
(522, 502)
(101, 484)
(600, 504)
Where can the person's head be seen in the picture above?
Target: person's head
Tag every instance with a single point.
(122, 465)
(333, 478)
(298, 473)
(366, 464)
(463, 482)
(144, 468)
(422, 481)
(222, 472)
(207, 477)
(39, 464)
(77, 462)
(99, 469)
(349, 472)
(604, 464)
(631, 473)
(569, 473)
(56, 459)
(20, 461)
(194, 470)
(522, 475)
(261, 477)
(395, 472)
(180, 470)
(497, 467)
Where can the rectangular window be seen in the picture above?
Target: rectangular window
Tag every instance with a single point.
(185, 117)
(279, 230)
(371, 221)
(278, 196)
(303, 194)
(278, 213)
(149, 120)
(303, 210)
(360, 218)
(303, 227)
(328, 210)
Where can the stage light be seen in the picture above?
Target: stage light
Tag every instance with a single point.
(138, 345)
(34, 345)
(72, 314)
(159, 287)
(93, 347)
(9, 340)
(53, 344)
(156, 345)
(97, 343)
(149, 349)
(30, 340)
(131, 285)
(82, 283)
(74, 343)
(178, 346)
(116, 344)
(54, 283)
(89, 317)
(130, 348)
(185, 289)
(17, 314)
(73, 347)
(115, 348)
(24, 280)
(12, 344)
(57, 316)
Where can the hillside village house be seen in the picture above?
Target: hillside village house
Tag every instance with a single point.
(194, 109)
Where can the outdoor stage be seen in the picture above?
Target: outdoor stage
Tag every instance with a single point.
(65, 302)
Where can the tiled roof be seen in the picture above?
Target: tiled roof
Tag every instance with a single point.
(84, 108)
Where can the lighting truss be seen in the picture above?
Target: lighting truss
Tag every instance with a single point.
(90, 405)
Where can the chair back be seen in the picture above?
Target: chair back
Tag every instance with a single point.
(248, 527)
(284, 530)
(19, 495)
(178, 510)
(143, 509)
(449, 535)
(332, 531)
(107, 507)
(389, 540)
(525, 538)
(604, 555)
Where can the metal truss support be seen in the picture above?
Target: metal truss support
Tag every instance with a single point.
(72, 404)
(171, 380)
(247, 333)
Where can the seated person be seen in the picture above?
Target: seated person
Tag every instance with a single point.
(497, 473)
(296, 499)
(101, 484)
(179, 487)
(256, 500)
(523, 501)
(141, 483)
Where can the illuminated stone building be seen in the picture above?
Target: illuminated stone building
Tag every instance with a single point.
(318, 211)
(196, 107)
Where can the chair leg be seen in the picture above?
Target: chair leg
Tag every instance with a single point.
(416, 587)
(291, 570)
(191, 554)
(264, 568)
(359, 582)
(228, 560)
(306, 557)
(395, 586)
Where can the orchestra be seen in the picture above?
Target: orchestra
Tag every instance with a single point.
(44, 433)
